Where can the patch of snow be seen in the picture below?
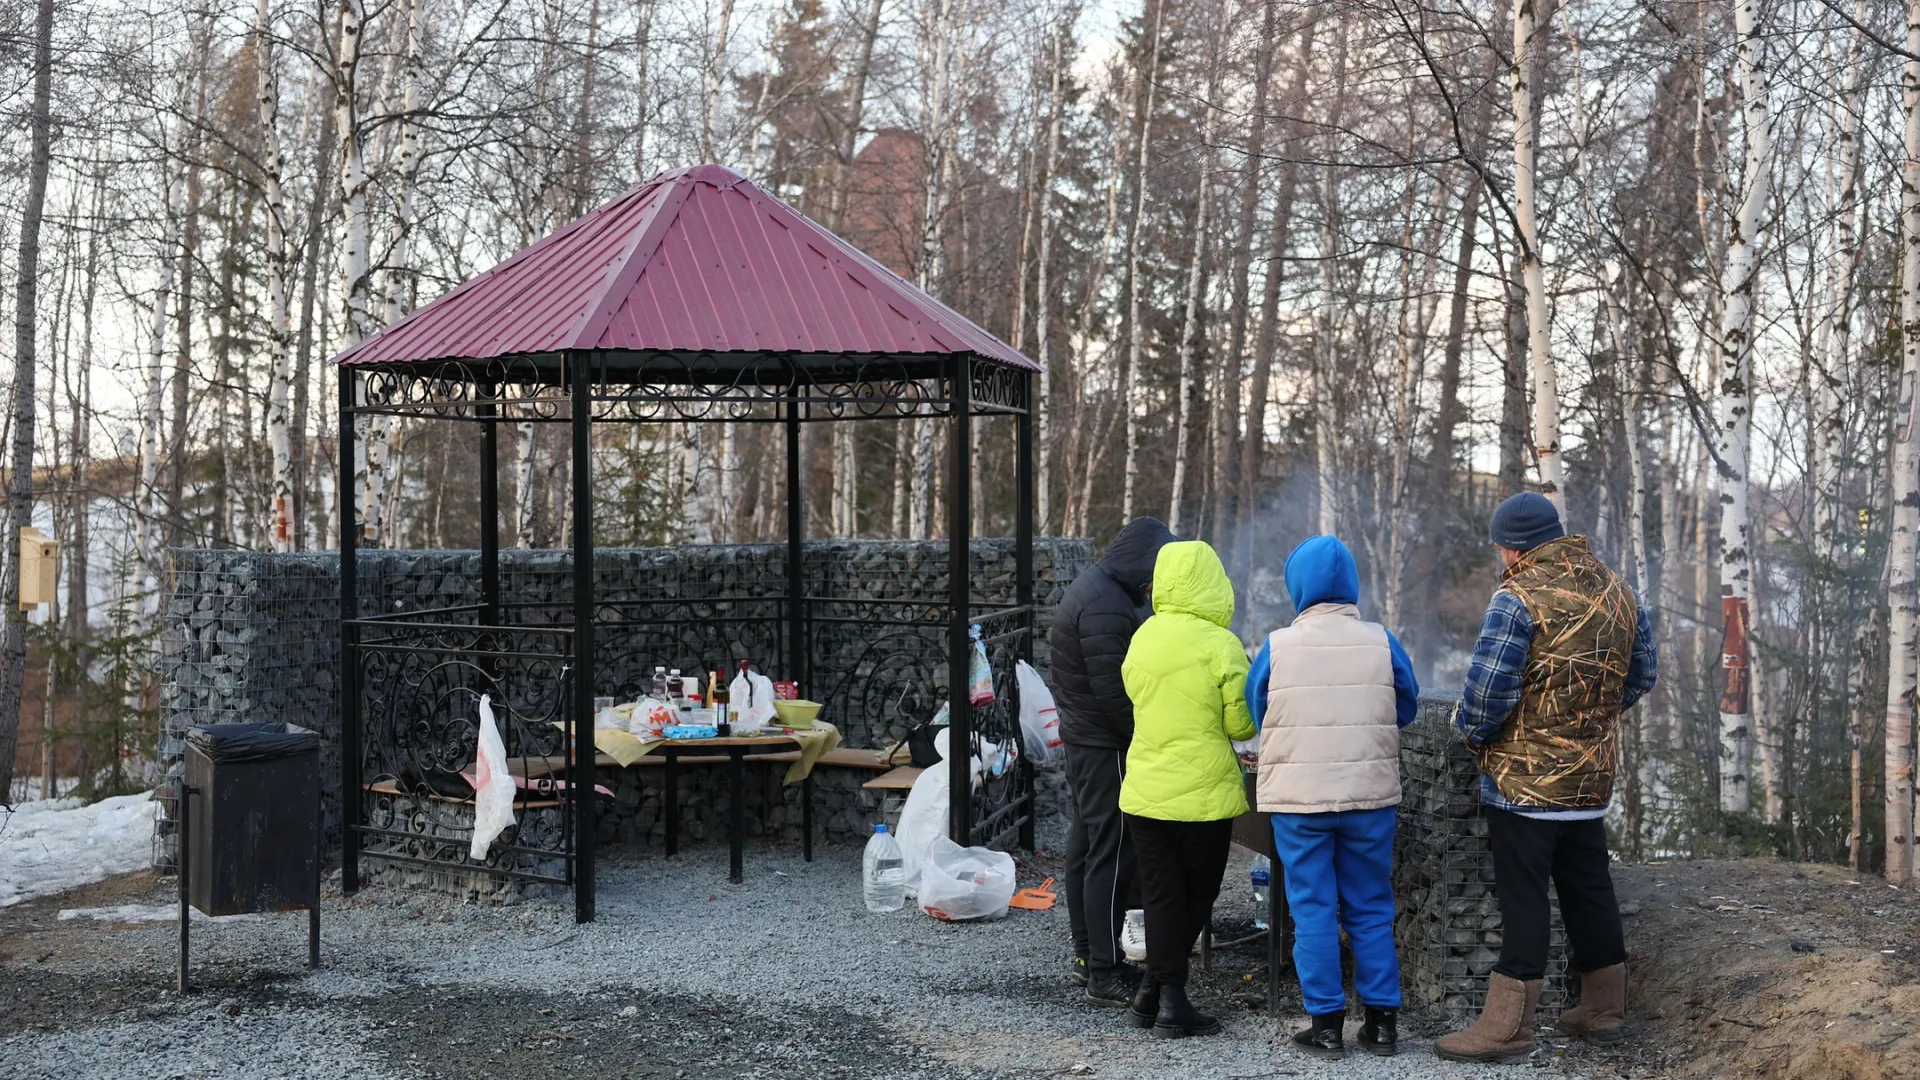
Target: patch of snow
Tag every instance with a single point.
(140, 913)
(59, 844)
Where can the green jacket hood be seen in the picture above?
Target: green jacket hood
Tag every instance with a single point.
(1189, 578)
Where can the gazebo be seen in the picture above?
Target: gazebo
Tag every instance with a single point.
(694, 298)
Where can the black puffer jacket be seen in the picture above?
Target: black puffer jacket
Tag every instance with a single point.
(1091, 629)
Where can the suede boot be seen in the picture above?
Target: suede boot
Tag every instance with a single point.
(1178, 1018)
(1146, 1002)
(1503, 1034)
(1323, 1039)
(1380, 1032)
(1601, 1016)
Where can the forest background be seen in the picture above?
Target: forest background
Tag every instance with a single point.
(1363, 266)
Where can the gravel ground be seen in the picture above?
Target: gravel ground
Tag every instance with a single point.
(683, 975)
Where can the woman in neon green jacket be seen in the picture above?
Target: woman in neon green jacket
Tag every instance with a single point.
(1186, 673)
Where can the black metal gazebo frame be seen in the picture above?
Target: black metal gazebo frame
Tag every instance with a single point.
(586, 388)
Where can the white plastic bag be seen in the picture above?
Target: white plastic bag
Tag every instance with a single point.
(924, 818)
(1039, 718)
(493, 785)
(957, 884)
(750, 696)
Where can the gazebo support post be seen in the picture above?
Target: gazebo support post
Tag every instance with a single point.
(583, 603)
(488, 413)
(349, 525)
(959, 601)
(1023, 567)
(796, 552)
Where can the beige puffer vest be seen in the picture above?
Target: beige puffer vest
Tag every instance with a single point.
(1329, 741)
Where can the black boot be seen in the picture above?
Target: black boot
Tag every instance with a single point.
(1178, 1018)
(1114, 987)
(1323, 1039)
(1380, 1032)
(1146, 1002)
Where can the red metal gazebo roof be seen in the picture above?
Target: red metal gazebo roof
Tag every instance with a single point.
(696, 260)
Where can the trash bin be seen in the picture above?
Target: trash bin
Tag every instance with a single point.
(250, 825)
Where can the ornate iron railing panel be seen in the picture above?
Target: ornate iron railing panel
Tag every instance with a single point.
(421, 684)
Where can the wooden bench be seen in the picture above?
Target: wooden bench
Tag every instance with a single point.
(893, 786)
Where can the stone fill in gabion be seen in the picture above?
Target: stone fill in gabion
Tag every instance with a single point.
(254, 637)
(1449, 924)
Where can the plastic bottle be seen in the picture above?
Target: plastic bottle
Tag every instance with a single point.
(882, 874)
(676, 690)
(660, 684)
(1262, 890)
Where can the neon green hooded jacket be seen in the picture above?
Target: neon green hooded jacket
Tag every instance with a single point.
(1186, 673)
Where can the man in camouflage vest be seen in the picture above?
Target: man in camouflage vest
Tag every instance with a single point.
(1565, 649)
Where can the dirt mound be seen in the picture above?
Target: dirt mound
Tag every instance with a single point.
(1754, 968)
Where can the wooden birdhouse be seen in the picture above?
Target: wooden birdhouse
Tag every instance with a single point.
(39, 556)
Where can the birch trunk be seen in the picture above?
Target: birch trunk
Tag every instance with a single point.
(147, 523)
(1526, 141)
(1131, 398)
(1735, 417)
(13, 631)
(642, 83)
(279, 317)
(1903, 631)
(713, 74)
(370, 442)
(1190, 325)
(1829, 421)
(81, 402)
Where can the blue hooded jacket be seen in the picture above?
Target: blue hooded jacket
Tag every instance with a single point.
(1321, 571)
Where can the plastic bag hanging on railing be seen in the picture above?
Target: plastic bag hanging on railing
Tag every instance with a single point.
(1039, 718)
(979, 671)
(493, 785)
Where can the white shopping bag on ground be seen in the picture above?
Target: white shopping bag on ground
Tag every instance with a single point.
(1039, 718)
(924, 817)
(493, 785)
(958, 884)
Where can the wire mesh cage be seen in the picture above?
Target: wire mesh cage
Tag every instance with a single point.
(1449, 924)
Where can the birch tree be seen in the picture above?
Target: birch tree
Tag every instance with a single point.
(1526, 141)
(279, 318)
(1196, 281)
(1903, 629)
(1131, 401)
(1734, 426)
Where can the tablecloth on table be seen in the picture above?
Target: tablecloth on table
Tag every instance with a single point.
(814, 743)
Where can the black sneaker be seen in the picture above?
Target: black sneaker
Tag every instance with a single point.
(1114, 987)
(1323, 1040)
(1380, 1032)
(1078, 972)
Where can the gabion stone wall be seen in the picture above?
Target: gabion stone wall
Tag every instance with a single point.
(1449, 924)
(254, 637)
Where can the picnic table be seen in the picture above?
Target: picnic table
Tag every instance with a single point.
(801, 750)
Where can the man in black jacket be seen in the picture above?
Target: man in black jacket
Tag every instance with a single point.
(1091, 630)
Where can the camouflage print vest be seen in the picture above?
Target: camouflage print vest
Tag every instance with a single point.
(1560, 747)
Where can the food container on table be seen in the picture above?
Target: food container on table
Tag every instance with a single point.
(796, 714)
(691, 731)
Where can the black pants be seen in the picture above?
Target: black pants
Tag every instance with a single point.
(1100, 885)
(1180, 865)
(1526, 853)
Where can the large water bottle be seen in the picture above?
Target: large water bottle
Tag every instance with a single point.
(883, 875)
(1262, 890)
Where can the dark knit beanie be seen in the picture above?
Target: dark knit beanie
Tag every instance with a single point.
(1525, 521)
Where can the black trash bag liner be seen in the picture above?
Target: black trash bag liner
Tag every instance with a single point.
(252, 742)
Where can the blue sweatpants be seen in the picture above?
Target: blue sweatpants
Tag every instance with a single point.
(1339, 874)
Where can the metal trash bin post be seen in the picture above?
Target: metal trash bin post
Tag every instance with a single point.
(249, 810)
